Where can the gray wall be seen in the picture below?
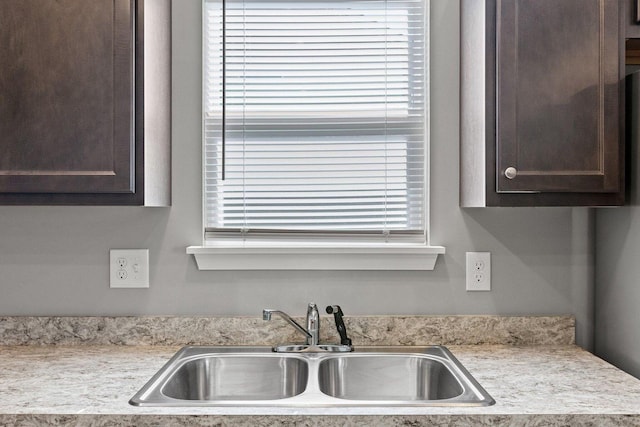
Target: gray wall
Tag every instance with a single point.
(53, 260)
(617, 311)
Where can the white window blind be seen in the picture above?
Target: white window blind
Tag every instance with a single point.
(315, 118)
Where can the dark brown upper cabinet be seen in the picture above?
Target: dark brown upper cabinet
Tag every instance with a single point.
(631, 18)
(85, 102)
(542, 103)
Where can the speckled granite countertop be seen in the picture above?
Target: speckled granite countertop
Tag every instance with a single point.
(533, 385)
(92, 385)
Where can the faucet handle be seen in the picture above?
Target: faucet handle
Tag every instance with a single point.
(342, 330)
(313, 315)
(313, 324)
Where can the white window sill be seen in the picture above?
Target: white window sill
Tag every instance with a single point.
(390, 256)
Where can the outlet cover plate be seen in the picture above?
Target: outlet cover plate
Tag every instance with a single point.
(129, 268)
(478, 271)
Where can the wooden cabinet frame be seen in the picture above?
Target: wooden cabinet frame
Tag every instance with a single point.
(137, 165)
(481, 170)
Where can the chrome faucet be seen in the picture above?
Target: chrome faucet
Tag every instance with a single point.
(311, 333)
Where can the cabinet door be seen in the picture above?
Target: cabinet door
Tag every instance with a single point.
(631, 18)
(557, 96)
(67, 96)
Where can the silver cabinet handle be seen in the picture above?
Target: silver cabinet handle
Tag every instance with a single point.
(511, 172)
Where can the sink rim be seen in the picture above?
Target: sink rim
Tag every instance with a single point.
(150, 395)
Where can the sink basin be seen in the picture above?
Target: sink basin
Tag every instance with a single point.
(226, 376)
(257, 376)
(407, 377)
(238, 377)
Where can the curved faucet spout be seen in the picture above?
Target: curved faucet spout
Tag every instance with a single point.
(266, 315)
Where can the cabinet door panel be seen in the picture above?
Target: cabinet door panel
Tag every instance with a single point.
(67, 103)
(557, 96)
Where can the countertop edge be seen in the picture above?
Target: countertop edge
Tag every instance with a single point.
(144, 420)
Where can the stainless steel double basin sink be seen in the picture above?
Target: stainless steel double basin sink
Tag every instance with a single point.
(256, 376)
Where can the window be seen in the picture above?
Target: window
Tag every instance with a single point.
(315, 122)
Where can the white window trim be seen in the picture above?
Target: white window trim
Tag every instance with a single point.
(272, 255)
(315, 257)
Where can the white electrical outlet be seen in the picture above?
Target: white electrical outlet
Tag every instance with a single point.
(129, 268)
(478, 271)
